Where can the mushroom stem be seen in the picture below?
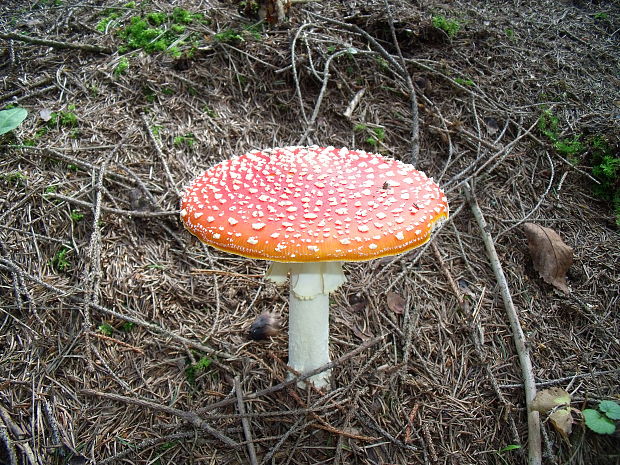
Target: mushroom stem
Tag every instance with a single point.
(308, 333)
(308, 336)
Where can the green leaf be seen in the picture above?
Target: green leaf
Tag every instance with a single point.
(611, 409)
(10, 119)
(597, 422)
(509, 447)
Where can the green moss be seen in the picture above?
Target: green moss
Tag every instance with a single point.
(450, 27)
(121, 67)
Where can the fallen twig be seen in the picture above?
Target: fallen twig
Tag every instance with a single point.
(244, 422)
(533, 417)
(132, 213)
(55, 43)
(190, 417)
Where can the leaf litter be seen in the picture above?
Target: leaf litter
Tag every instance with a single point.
(551, 256)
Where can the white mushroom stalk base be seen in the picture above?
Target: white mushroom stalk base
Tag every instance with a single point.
(308, 333)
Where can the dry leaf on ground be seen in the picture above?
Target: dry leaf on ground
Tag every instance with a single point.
(551, 256)
(557, 401)
(396, 303)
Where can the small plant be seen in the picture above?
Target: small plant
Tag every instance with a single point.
(160, 32)
(11, 118)
(106, 329)
(60, 260)
(606, 168)
(602, 419)
(228, 36)
(450, 27)
(14, 177)
(109, 21)
(193, 370)
(63, 118)
(209, 111)
(149, 94)
(187, 139)
(548, 124)
(508, 448)
(595, 150)
(156, 18)
(121, 67)
(378, 135)
(76, 216)
(601, 16)
(383, 64)
(127, 326)
(464, 82)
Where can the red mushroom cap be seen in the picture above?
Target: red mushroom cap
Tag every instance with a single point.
(308, 204)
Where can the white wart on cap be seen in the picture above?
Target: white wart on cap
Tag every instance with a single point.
(309, 204)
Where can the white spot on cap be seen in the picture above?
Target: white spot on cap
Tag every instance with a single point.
(216, 236)
(198, 215)
(274, 235)
(372, 246)
(232, 221)
(400, 236)
(345, 241)
(252, 240)
(183, 213)
(314, 248)
(362, 228)
(210, 219)
(310, 216)
(381, 215)
(258, 226)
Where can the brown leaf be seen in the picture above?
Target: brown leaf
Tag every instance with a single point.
(562, 421)
(557, 401)
(551, 256)
(548, 399)
(396, 303)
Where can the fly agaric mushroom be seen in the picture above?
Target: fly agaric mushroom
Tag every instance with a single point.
(307, 210)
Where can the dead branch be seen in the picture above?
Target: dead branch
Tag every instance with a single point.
(533, 418)
(55, 43)
(244, 422)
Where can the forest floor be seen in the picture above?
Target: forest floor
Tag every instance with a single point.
(125, 340)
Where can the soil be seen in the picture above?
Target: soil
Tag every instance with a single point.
(125, 340)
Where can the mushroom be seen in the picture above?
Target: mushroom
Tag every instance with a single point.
(308, 210)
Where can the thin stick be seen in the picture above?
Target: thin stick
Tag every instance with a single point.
(551, 382)
(533, 418)
(162, 158)
(146, 444)
(245, 422)
(131, 213)
(190, 417)
(55, 43)
(415, 122)
(17, 432)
